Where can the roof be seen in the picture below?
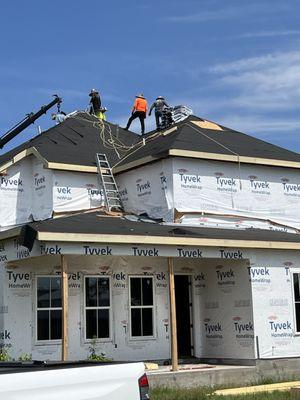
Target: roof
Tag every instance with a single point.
(103, 228)
(76, 140)
(73, 143)
(195, 137)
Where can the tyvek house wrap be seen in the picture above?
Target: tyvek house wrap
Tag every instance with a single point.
(29, 192)
(16, 194)
(3, 306)
(227, 284)
(221, 297)
(148, 190)
(216, 188)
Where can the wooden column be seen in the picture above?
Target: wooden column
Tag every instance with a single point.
(174, 348)
(65, 308)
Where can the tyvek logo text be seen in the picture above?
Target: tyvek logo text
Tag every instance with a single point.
(189, 181)
(258, 186)
(243, 330)
(259, 274)
(140, 252)
(143, 188)
(225, 276)
(279, 328)
(225, 184)
(11, 184)
(213, 330)
(18, 280)
(196, 253)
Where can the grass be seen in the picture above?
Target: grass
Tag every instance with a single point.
(205, 394)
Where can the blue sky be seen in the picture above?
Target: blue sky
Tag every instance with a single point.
(232, 61)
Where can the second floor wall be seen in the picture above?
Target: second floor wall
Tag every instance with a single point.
(30, 192)
(231, 193)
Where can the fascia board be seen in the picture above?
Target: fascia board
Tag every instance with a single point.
(163, 240)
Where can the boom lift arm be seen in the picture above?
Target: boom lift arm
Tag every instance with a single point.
(30, 118)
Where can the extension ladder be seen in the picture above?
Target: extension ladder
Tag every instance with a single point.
(108, 183)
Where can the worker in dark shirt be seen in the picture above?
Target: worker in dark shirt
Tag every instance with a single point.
(159, 106)
(95, 103)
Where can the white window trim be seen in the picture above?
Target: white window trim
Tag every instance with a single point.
(292, 272)
(98, 340)
(142, 338)
(47, 341)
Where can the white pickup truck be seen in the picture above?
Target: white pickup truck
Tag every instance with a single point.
(73, 381)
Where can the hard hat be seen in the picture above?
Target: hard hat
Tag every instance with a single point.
(160, 98)
(140, 96)
(93, 91)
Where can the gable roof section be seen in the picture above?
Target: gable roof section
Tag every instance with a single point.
(76, 141)
(189, 139)
(95, 227)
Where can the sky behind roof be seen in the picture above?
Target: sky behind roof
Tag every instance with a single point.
(234, 62)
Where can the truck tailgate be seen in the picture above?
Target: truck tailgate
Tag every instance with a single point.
(105, 382)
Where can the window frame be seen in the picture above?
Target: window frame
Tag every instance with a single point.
(153, 307)
(98, 340)
(295, 271)
(45, 341)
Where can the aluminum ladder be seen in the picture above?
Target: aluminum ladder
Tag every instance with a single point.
(108, 183)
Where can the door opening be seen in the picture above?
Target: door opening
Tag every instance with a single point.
(184, 315)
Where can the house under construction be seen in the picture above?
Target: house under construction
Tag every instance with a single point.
(199, 257)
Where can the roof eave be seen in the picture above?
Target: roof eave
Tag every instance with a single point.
(165, 240)
(208, 156)
(47, 164)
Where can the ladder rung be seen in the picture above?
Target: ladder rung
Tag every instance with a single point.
(111, 185)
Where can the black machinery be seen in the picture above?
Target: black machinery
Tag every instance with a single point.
(28, 120)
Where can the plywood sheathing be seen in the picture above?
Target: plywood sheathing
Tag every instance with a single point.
(207, 125)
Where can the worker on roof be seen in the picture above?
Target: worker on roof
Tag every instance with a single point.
(139, 110)
(58, 117)
(159, 105)
(102, 114)
(95, 103)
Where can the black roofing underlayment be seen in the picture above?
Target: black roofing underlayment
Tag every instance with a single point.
(97, 223)
(77, 139)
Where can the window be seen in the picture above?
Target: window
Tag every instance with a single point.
(48, 308)
(141, 306)
(97, 307)
(296, 282)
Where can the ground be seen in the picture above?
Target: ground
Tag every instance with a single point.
(201, 394)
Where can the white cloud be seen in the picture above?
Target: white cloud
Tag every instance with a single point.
(227, 13)
(266, 126)
(203, 16)
(270, 82)
(261, 34)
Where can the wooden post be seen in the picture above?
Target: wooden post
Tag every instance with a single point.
(174, 349)
(65, 308)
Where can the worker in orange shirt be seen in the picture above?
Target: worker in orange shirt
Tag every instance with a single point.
(139, 110)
